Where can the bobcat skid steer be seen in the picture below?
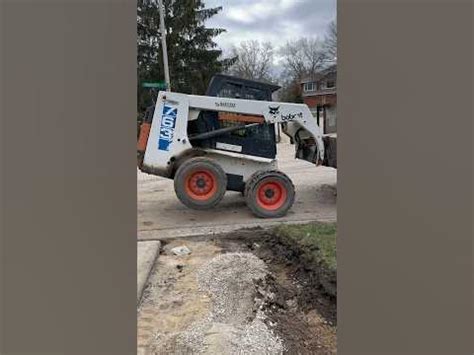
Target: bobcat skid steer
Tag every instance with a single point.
(226, 140)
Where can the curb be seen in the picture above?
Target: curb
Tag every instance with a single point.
(147, 254)
(174, 233)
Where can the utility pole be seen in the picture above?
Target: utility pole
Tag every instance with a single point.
(163, 45)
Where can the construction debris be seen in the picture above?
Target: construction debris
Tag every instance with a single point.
(181, 250)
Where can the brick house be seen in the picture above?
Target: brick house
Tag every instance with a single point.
(319, 93)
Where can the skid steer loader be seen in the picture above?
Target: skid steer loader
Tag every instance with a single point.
(226, 140)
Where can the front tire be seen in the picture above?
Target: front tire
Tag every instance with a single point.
(269, 194)
(200, 183)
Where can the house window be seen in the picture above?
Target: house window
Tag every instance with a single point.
(309, 87)
(330, 84)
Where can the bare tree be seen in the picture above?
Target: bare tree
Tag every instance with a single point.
(254, 60)
(330, 42)
(302, 57)
(305, 57)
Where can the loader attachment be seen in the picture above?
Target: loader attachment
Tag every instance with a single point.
(330, 150)
(306, 147)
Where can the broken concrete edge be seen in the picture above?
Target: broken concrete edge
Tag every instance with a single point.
(147, 255)
(175, 233)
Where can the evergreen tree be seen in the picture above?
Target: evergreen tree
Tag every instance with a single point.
(193, 55)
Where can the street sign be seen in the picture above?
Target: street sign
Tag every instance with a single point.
(158, 85)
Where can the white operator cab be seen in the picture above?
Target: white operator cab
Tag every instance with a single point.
(206, 159)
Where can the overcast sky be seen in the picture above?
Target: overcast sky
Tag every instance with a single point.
(270, 20)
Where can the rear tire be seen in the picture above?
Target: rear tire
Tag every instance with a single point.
(200, 183)
(269, 194)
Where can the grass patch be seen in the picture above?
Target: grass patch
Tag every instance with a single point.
(316, 242)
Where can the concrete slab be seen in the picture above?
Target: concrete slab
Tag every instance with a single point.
(162, 216)
(147, 253)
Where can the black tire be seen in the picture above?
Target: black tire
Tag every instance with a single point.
(282, 191)
(200, 183)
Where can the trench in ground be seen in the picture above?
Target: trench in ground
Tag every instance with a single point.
(299, 313)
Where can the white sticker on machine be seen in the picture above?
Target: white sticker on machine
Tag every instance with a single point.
(229, 147)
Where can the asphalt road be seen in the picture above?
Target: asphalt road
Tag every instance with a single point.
(162, 216)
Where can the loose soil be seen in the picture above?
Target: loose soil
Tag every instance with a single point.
(287, 310)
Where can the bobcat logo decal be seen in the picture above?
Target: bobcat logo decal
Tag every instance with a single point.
(274, 110)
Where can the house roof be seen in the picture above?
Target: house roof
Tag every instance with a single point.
(321, 74)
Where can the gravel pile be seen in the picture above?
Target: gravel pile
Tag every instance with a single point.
(232, 327)
(236, 322)
(256, 338)
(229, 279)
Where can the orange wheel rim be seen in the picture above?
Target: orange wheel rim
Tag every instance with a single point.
(271, 195)
(201, 185)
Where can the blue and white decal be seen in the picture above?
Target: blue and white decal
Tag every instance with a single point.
(168, 123)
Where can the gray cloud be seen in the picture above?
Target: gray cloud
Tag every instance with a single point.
(270, 20)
